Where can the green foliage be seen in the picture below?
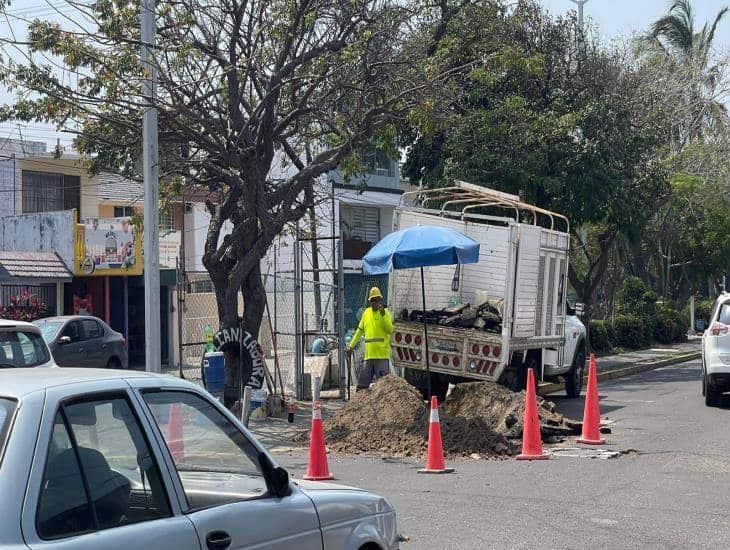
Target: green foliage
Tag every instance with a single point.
(671, 325)
(598, 333)
(635, 299)
(630, 331)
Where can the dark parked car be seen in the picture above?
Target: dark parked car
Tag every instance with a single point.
(83, 341)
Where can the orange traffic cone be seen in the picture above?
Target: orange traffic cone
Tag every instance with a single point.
(531, 440)
(435, 459)
(317, 468)
(175, 434)
(592, 411)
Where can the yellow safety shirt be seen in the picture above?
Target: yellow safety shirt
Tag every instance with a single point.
(377, 328)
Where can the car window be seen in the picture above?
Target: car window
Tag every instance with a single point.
(72, 331)
(22, 349)
(724, 315)
(99, 473)
(92, 329)
(49, 329)
(7, 408)
(216, 463)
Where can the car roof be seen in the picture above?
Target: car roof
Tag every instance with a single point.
(9, 323)
(16, 383)
(69, 318)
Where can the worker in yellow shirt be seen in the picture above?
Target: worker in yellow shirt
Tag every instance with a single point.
(376, 326)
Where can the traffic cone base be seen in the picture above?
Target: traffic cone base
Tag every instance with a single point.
(317, 468)
(427, 471)
(531, 437)
(591, 434)
(591, 441)
(435, 458)
(543, 456)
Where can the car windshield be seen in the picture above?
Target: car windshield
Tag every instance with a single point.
(20, 348)
(49, 329)
(7, 407)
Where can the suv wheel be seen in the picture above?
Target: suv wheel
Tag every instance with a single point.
(712, 396)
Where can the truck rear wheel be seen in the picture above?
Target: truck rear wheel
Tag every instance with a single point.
(439, 383)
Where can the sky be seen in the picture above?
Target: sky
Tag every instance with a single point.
(613, 19)
(616, 18)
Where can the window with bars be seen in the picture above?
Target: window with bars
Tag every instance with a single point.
(166, 221)
(50, 192)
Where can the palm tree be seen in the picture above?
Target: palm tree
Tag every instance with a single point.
(675, 40)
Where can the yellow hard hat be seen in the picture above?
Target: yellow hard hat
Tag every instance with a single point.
(374, 293)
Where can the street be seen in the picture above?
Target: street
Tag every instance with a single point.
(668, 490)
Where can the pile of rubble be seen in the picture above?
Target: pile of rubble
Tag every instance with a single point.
(486, 316)
(479, 420)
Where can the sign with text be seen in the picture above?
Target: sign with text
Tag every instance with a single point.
(233, 339)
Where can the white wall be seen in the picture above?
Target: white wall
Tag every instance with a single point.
(41, 232)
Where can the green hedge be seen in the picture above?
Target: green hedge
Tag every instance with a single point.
(599, 335)
(630, 331)
(671, 325)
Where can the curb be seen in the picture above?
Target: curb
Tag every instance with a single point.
(628, 371)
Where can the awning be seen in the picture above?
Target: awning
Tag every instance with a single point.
(32, 268)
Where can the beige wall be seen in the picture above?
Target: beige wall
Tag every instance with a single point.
(70, 167)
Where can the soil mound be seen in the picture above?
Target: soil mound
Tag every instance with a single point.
(503, 410)
(392, 418)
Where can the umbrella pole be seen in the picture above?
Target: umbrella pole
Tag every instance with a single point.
(425, 334)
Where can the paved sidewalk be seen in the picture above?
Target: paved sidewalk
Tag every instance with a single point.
(628, 363)
(658, 353)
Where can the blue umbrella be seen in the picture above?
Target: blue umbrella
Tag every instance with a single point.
(418, 247)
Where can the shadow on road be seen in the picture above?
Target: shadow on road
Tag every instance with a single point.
(637, 383)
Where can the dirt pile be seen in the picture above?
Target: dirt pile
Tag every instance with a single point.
(392, 418)
(503, 410)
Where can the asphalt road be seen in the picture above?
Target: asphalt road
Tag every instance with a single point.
(671, 488)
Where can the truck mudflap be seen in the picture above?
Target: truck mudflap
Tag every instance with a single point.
(459, 352)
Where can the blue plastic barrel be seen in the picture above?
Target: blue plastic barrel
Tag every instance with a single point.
(214, 372)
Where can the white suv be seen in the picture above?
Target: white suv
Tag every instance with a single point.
(716, 352)
(22, 345)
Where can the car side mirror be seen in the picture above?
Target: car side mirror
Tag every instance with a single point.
(277, 478)
(63, 340)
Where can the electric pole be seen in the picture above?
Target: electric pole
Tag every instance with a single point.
(150, 154)
(580, 4)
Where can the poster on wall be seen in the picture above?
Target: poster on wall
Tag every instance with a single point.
(109, 245)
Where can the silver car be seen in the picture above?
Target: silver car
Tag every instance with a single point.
(101, 459)
(716, 352)
(83, 341)
(21, 345)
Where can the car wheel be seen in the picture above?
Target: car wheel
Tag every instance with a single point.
(114, 363)
(574, 377)
(712, 396)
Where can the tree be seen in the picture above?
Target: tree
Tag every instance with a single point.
(256, 99)
(553, 116)
(685, 57)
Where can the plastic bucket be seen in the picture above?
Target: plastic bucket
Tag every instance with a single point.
(214, 371)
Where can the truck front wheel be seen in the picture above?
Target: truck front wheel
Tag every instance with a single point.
(574, 377)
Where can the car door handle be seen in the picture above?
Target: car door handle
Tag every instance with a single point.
(103, 346)
(218, 540)
(81, 349)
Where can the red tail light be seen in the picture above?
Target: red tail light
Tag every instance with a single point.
(718, 329)
(124, 342)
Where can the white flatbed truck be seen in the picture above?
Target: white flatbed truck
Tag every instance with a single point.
(522, 266)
